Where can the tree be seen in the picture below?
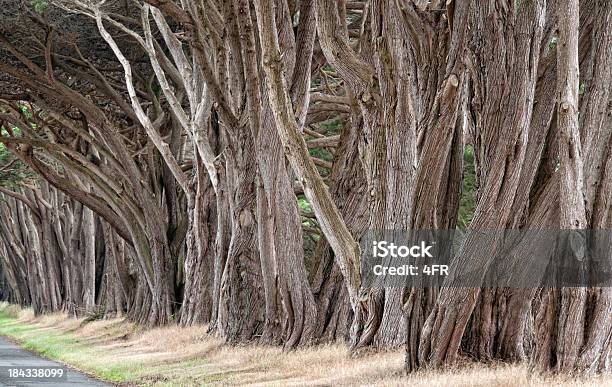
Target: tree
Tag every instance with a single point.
(220, 162)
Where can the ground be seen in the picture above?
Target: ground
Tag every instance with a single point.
(14, 358)
(121, 352)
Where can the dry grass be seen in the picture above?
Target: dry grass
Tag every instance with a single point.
(120, 351)
(14, 311)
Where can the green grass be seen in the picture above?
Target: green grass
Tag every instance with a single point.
(108, 360)
(65, 348)
(467, 203)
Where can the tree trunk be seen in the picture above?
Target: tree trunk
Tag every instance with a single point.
(501, 154)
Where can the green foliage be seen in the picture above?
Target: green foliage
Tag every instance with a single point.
(12, 170)
(321, 153)
(310, 225)
(305, 207)
(303, 204)
(310, 235)
(333, 127)
(39, 5)
(467, 204)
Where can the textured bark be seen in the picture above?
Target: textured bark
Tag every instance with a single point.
(89, 262)
(221, 246)
(571, 188)
(505, 333)
(576, 330)
(398, 48)
(333, 226)
(273, 330)
(197, 298)
(241, 312)
(284, 244)
(348, 189)
(116, 275)
(72, 272)
(500, 154)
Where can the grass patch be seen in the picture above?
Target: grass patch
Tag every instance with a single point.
(54, 341)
